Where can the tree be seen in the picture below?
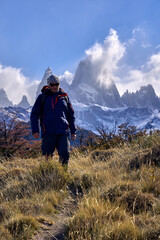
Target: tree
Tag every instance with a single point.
(14, 134)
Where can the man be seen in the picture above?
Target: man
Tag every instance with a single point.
(55, 112)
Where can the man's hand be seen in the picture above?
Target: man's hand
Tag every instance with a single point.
(36, 135)
(73, 136)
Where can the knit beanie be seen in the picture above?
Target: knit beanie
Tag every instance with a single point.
(52, 79)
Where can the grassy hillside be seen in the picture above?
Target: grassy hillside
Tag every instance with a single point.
(116, 193)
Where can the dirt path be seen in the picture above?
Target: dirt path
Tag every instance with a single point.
(59, 228)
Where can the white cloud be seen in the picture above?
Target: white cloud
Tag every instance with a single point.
(13, 81)
(148, 74)
(95, 52)
(109, 63)
(31, 90)
(68, 76)
(140, 37)
(105, 57)
(146, 45)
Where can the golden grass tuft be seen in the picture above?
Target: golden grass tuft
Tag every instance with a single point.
(5, 234)
(47, 176)
(22, 227)
(150, 180)
(97, 219)
(125, 231)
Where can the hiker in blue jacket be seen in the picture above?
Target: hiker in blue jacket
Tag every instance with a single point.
(54, 110)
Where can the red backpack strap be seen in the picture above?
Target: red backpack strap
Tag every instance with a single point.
(62, 95)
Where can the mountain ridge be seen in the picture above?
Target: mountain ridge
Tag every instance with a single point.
(95, 107)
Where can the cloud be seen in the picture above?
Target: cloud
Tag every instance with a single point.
(146, 45)
(105, 58)
(111, 60)
(31, 90)
(148, 74)
(111, 64)
(68, 76)
(13, 81)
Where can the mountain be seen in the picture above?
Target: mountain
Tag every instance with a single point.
(145, 97)
(4, 101)
(96, 105)
(47, 73)
(86, 89)
(64, 85)
(23, 103)
(96, 116)
(20, 113)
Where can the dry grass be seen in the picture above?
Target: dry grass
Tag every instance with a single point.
(5, 234)
(30, 196)
(118, 194)
(116, 201)
(22, 227)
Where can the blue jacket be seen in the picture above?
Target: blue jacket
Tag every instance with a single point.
(56, 115)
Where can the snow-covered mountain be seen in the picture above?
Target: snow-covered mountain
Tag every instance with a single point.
(23, 103)
(96, 116)
(86, 89)
(145, 97)
(21, 114)
(4, 101)
(97, 105)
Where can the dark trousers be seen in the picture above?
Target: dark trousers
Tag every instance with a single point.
(60, 142)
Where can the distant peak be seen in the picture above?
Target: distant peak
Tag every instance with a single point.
(147, 89)
(24, 97)
(49, 69)
(2, 90)
(4, 101)
(24, 102)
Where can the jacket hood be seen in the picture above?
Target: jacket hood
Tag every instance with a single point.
(48, 91)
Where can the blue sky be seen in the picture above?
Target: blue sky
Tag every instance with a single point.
(35, 34)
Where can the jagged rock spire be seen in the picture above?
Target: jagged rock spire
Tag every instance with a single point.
(4, 101)
(24, 102)
(47, 73)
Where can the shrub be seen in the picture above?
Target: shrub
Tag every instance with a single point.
(117, 190)
(137, 202)
(150, 157)
(101, 155)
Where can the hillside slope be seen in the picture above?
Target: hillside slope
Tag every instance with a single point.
(105, 194)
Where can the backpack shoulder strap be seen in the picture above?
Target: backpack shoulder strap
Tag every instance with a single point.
(42, 102)
(64, 95)
(43, 99)
(66, 98)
